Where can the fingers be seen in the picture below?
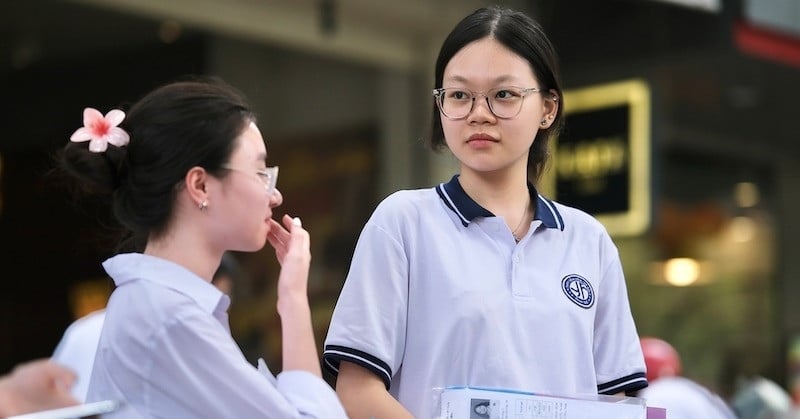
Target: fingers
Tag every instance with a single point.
(288, 236)
(299, 236)
(277, 234)
(293, 278)
(41, 384)
(61, 399)
(290, 222)
(47, 370)
(283, 231)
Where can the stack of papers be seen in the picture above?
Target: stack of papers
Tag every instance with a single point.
(487, 403)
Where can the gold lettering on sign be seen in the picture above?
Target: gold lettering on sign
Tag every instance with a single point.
(589, 163)
(591, 159)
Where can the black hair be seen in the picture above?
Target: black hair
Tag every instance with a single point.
(525, 37)
(187, 123)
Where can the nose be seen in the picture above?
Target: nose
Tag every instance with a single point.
(276, 199)
(480, 109)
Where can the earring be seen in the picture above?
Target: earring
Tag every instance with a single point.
(203, 205)
(544, 121)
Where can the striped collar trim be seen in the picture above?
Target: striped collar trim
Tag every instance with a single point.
(467, 209)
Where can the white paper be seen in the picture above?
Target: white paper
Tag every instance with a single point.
(482, 403)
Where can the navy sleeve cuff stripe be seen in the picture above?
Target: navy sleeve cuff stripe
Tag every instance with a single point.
(334, 354)
(629, 384)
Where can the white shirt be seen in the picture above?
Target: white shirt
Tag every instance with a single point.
(685, 399)
(77, 348)
(167, 352)
(439, 294)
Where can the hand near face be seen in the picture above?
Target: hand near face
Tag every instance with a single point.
(36, 385)
(292, 248)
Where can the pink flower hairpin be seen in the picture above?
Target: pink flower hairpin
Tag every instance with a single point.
(100, 130)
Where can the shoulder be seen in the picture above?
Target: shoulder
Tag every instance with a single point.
(409, 197)
(90, 324)
(405, 203)
(576, 220)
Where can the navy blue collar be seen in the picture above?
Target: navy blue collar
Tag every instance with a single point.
(467, 209)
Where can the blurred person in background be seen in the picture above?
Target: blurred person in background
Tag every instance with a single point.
(78, 345)
(761, 398)
(668, 388)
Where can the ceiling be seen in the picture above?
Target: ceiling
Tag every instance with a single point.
(385, 33)
(716, 96)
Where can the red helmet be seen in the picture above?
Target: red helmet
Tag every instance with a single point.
(661, 359)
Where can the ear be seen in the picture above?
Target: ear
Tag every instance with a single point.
(195, 181)
(550, 105)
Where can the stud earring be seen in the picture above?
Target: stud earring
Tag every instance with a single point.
(544, 121)
(203, 205)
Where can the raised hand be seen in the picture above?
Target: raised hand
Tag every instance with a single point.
(292, 248)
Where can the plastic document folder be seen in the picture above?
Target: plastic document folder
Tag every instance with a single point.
(487, 403)
(87, 410)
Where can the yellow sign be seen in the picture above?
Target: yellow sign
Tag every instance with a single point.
(601, 161)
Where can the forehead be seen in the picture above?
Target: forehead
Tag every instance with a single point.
(250, 145)
(487, 60)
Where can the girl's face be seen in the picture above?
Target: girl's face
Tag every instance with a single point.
(245, 207)
(482, 142)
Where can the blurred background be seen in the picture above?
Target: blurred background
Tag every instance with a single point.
(682, 137)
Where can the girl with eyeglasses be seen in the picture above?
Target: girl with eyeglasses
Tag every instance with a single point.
(186, 174)
(481, 281)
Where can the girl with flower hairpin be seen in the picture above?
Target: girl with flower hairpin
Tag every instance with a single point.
(186, 172)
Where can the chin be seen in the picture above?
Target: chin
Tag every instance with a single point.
(259, 245)
(253, 245)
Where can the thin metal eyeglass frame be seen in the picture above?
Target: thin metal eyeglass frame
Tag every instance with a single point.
(439, 92)
(268, 176)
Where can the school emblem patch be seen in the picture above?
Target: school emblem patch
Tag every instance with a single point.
(579, 290)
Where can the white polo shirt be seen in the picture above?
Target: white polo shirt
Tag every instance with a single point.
(439, 294)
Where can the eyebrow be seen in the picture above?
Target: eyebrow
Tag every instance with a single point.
(500, 79)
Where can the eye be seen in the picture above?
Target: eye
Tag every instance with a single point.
(458, 94)
(506, 93)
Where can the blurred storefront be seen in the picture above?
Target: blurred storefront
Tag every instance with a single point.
(694, 166)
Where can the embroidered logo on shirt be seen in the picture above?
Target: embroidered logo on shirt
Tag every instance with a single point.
(578, 289)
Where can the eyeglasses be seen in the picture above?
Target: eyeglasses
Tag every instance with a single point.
(504, 102)
(268, 176)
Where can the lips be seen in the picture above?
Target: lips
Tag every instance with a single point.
(481, 138)
(481, 142)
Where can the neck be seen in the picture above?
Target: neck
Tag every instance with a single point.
(519, 231)
(179, 248)
(499, 192)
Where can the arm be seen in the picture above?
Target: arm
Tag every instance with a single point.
(36, 385)
(618, 354)
(364, 395)
(292, 251)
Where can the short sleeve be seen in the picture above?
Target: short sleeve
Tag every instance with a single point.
(368, 325)
(619, 362)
